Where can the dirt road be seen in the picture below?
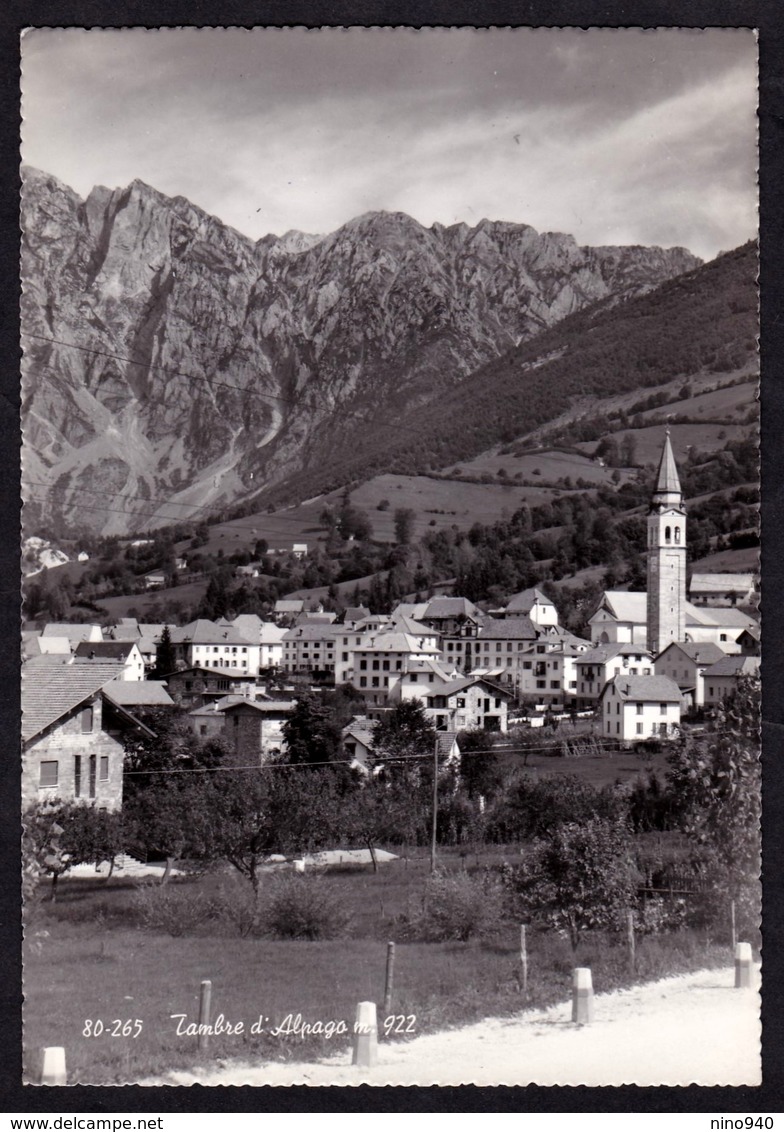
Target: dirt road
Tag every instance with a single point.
(691, 1028)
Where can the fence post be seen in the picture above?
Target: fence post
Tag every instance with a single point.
(630, 940)
(523, 960)
(743, 965)
(582, 995)
(732, 925)
(205, 996)
(365, 1036)
(53, 1066)
(389, 979)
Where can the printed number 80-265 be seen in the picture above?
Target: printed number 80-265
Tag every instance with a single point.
(399, 1024)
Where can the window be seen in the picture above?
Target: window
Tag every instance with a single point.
(363, 665)
(414, 677)
(344, 657)
(616, 672)
(375, 666)
(202, 728)
(541, 683)
(639, 729)
(104, 768)
(646, 671)
(461, 701)
(363, 681)
(639, 708)
(555, 683)
(92, 776)
(188, 685)
(374, 682)
(677, 534)
(77, 776)
(667, 535)
(662, 709)
(527, 664)
(722, 636)
(48, 774)
(86, 716)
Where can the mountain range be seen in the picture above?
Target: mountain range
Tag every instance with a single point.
(171, 360)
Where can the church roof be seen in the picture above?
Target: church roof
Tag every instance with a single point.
(667, 482)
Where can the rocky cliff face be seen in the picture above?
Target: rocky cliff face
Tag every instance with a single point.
(171, 363)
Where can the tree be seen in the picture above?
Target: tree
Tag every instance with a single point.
(165, 656)
(312, 735)
(480, 774)
(579, 877)
(61, 834)
(404, 525)
(715, 780)
(404, 732)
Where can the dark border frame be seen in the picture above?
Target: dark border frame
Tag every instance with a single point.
(765, 15)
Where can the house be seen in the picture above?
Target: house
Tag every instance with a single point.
(546, 671)
(723, 626)
(495, 646)
(422, 678)
(155, 580)
(749, 641)
(125, 653)
(75, 633)
(35, 644)
(72, 731)
(203, 643)
(286, 609)
(353, 614)
(83, 556)
(685, 663)
(299, 549)
(721, 679)
(192, 687)
(448, 615)
(380, 659)
(635, 708)
(254, 729)
(722, 589)
(602, 663)
(139, 696)
(469, 702)
(271, 645)
(310, 649)
(534, 604)
(252, 570)
(358, 741)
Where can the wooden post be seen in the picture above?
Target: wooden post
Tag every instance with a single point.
(389, 979)
(582, 995)
(435, 807)
(630, 940)
(205, 996)
(365, 1036)
(523, 960)
(53, 1066)
(732, 925)
(743, 965)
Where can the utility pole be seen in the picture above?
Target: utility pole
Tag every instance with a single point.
(435, 806)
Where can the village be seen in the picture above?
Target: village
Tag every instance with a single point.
(654, 662)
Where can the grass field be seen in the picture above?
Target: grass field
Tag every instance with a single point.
(87, 960)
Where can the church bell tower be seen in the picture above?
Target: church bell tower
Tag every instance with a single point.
(666, 557)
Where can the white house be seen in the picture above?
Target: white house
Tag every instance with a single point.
(467, 703)
(204, 644)
(635, 708)
(125, 653)
(381, 658)
(721, 679)
(534, 604)
(685, 663)
(604, 662)
(721, 589)
(310, 649)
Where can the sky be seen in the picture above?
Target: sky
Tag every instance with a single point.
(616, 136)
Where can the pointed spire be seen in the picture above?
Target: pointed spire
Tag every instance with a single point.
(667, 482)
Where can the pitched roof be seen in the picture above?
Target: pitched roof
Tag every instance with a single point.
(355, 613)
(657, 688)
(74, 632)
(468, 682)
(138, 693)
(407, 624)
(206, 632)
(450, 607)
(733, 666)
(33, 644)
(711, 583)
(390, 641)
(625, 605)
(729, 617)
(104, 650)
(50, 691)
(260, 705)
(510, 628)
(667, 482)
(700, 653)
(522, 602)
(289, 605)
(313, 631)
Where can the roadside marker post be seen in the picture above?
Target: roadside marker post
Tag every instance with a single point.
(389, 979)
(53, 1066)
(582, 995)
(365, 1036)
(743, 965)
(523, 961)
(205, 997)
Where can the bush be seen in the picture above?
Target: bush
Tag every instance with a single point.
(168, 908)
(459, 906)
(304, 906)
(238, 906)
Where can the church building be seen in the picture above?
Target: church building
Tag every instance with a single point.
(666, 607)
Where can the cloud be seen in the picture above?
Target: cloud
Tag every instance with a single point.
(622, 136)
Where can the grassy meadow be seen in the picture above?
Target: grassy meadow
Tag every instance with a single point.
(88, 957)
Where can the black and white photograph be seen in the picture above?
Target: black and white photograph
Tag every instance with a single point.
(390, 556)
